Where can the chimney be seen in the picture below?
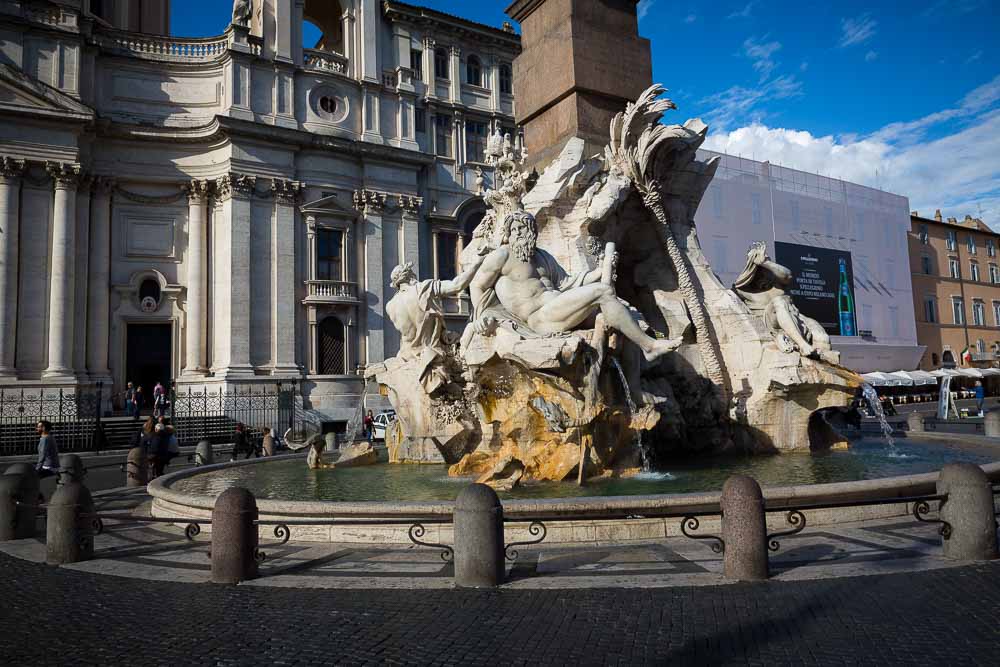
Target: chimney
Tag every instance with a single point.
(937, 215)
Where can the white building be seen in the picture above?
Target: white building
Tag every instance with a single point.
(755, 201)
(227, 210)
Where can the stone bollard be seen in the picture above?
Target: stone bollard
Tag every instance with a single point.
(204, 455)
(136, 467)
(991, 424)
(71, 468)
(969, 510)
(69, 537)
(479, 552)
(28, 495)
(915, 422)
(9, 486)
(234, 536)
(744, 529)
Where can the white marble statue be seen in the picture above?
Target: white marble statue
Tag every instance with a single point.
(762, 286)
(242, 12)
(523, 284)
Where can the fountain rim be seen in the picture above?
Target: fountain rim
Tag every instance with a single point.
(591, 507)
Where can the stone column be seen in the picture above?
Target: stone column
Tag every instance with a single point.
(61, 287)
(410, 249)
(196, 327)
(81, 269)
(428, 63)
(458, 141)
(283, 301)
(371, 205)
(456, 74)
(11, 171)
(99, 279)
(231, 316)
(347, 19)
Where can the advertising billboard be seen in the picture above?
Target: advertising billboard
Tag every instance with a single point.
(822, 285)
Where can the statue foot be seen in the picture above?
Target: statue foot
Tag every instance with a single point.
(660, 347)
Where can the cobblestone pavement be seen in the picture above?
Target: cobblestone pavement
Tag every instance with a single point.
(58, 616)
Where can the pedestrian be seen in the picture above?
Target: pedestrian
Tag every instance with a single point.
(137, 399)
(147, 440)
(241, 443)
(980, 397)
(369, 426)
(129, 398)
(159, 444)
(159, 400)
(268, 442)
(173, 446)
(48, 452)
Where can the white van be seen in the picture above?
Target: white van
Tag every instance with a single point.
(382, 421)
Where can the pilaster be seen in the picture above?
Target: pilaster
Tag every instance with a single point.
(456, 74)
(81, 269)
(11, 171)
(286, 195)
(372, 205)
(99, 279)
(61, 288)
(195, 327)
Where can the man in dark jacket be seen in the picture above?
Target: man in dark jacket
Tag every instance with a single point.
(242, 444)
(48, 453)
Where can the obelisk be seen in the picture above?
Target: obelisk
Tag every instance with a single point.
(581, 62)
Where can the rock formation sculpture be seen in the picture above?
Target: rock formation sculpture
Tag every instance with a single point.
(596, 316)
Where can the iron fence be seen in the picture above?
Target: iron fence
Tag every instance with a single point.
(75, 414)
(213, 415)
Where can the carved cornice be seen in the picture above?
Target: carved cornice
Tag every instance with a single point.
(197, 191)
(369, 201)
(66, 175)
(410, 204)
(234, 185)
(286, 192)
(11, 168)
(455, 51)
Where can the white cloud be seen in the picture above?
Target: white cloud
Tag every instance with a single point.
(760, 53)
(690, 18)
(870, 56)
(643, 8)
(974, 57)
(957, 172)
(952, 7)
(737, 103)
(804, 65)
(857, 30)
(743, 13)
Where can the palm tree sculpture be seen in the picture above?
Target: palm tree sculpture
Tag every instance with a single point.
(637, 142)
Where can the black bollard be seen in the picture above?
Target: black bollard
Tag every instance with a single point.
(69, 536)
(234, 536)
(9, 486)
(28, 498)
(744, 529)
(479, 559)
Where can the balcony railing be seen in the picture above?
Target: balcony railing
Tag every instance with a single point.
(324, 61)
(157, 47)
(332, 291)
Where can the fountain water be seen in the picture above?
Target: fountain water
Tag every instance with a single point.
(871, 396)
(640, 445)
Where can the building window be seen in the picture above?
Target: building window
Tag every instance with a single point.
(971, 243)
(473, 71)
(332, 350)
(506, 78)
(991, 248)
(442, 135)
(475, 141)
(974, 271)
(996, 313)
(981, 346)
(952, 240)
(417, 64)
(953, 268)
(924, 235)
(755, 208)
(441, 63)
(925, 265)
(420, 119)
(930, 309)
(447, 255)
(957, 310)
(994, 274)
(329, 254)
(978, 313)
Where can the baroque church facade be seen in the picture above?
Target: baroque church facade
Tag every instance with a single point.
(227, 211)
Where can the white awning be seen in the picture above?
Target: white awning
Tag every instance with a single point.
(915, 377)
(877, 379)
(971, 373)
(989, 371)
(945, 372)
(904, 379)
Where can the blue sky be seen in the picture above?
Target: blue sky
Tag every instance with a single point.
(910, 90)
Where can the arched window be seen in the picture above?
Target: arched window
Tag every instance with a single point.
(322, 26)
(474, 71)
(947, 359)
(506, 79)
(332, 350)
(441, 63)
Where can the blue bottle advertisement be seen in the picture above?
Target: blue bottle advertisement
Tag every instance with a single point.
(845, 302)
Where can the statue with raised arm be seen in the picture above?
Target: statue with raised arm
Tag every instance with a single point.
(524, 285)
(242, 12)
(762, 287)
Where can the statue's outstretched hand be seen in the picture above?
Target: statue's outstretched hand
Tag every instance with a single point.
(485, 326)
(484, 250)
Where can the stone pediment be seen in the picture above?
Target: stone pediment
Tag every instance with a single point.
(22, 94)
(331, 205)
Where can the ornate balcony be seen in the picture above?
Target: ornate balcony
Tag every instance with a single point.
(331, 291)
(324, 61)
(157, 47)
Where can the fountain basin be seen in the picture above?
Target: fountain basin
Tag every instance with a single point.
(190, 494)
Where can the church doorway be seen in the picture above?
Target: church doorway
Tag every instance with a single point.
(147, 357)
